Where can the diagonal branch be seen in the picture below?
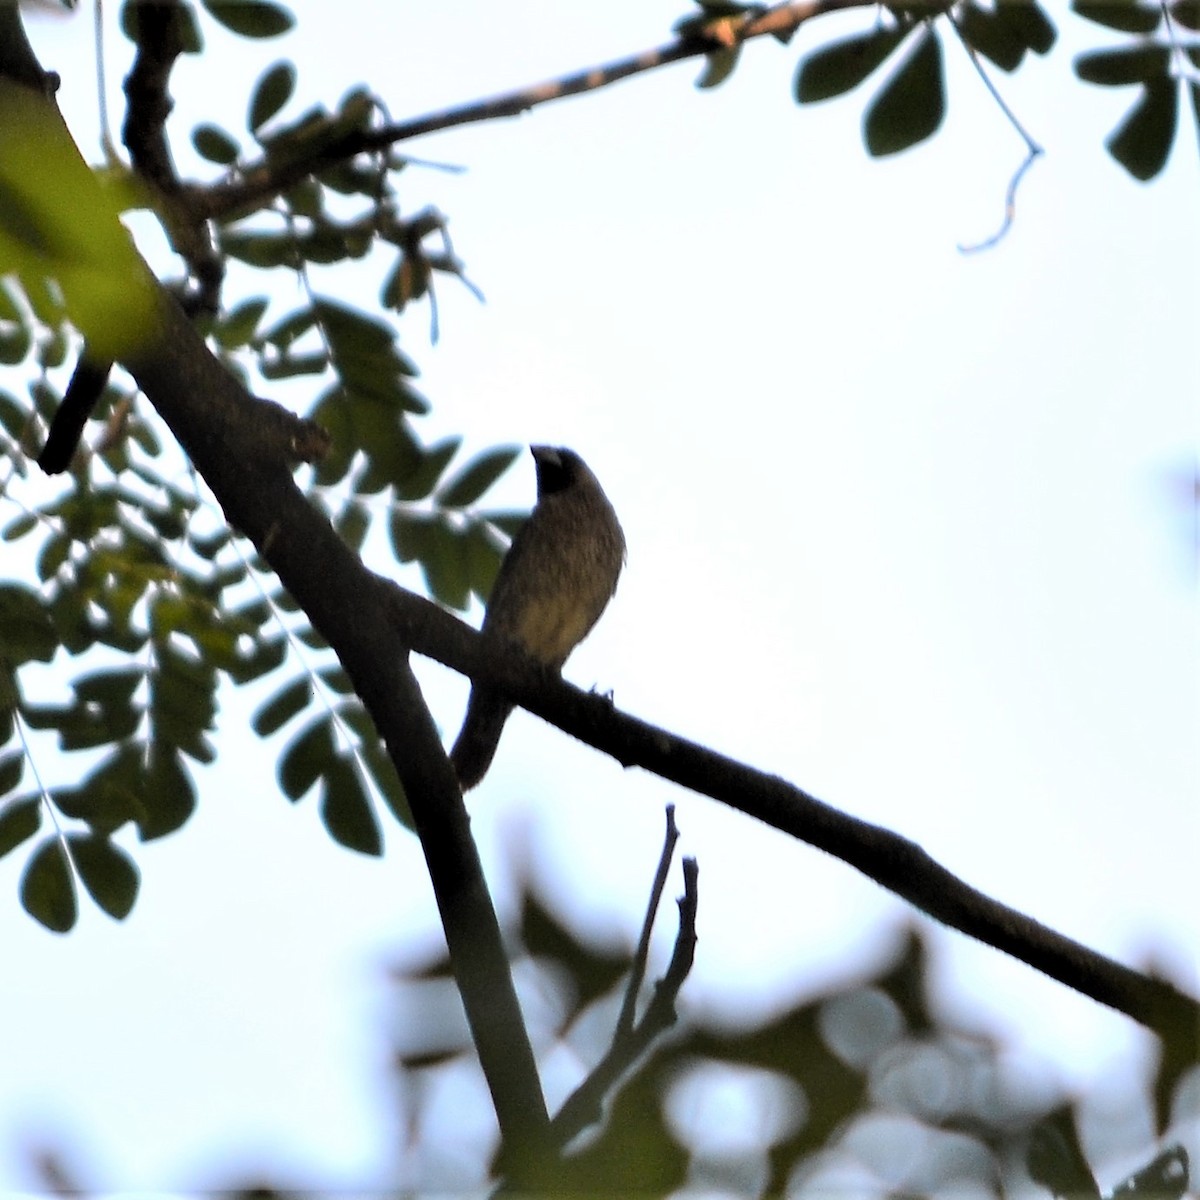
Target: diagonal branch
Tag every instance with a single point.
(891, 860)
(257, 183)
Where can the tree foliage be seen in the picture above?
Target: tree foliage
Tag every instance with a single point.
(136, 586)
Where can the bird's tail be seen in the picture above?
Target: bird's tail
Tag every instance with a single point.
(480, 735)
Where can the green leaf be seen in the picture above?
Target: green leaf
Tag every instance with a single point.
(271, 93)
(113, 688)
(1186, 13)
(420, 481)
(1036, 29)
(238, 325)
(15, 344)
(718, 66)
(26, 630)
(19, 821)
(48, 888)
(1142, 142)
(282, 707)
(168, 796)
(989, 32)
(107, 872)
(476, 477)
(335, 678)
(352, 523)
(413, 535)
(346, 811)
(447, 568)
(842, 65)
(1125, 65)
(14, 416)
(12, 767)
(17, 529)
(383, 772)
(262, 250)
(484, 555)
(251, 18)
(911, 104)
(1125, 16)
(307, 758)
(215, 144)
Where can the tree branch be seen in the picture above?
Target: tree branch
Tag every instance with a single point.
(257, 183)
(889, 859)
(584, 1106)
(233, 441)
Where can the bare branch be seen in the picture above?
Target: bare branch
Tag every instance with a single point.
(257, 183)
(160, 43)
(638, 972)
(889, 859)
(584, 1106)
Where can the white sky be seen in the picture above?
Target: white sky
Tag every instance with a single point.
(906, 527)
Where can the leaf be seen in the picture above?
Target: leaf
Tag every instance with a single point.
(1143, 141)
(1036, 29)
(476, 477)
(420, 481)
(215, 144)
(447, 569)
(107, 872)
(346, 811)
(842, 65)
(12, 767)
(1124, 65)
(19, 820)
(251, 18)
(282, 707)
(273, 90)
(1186, 13)
(352, 524)
(383, 772)
(484, 556)
(169, 795)
(238, 325)
(718, 66)
(911, 104)
(1127, 17)
(17, 529)
(307, 758)
(990, 33)
(26, 629)
(413, 535)
(48, 888)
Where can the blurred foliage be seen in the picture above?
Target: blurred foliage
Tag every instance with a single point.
(862, 1090)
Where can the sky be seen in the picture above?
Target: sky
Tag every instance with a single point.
(906, 526)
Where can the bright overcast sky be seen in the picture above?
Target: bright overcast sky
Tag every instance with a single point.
(907, 527)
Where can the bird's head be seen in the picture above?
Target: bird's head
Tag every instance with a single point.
(557, 469)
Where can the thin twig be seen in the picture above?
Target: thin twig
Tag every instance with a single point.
(638, 972)
(1032, 149)
(586, 1103)
(256, 183)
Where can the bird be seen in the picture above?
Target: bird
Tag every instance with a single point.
(556, 579)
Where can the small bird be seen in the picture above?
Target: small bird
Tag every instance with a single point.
(558, 575)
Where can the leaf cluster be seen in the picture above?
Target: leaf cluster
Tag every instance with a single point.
(909, 106)
(144, 590)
